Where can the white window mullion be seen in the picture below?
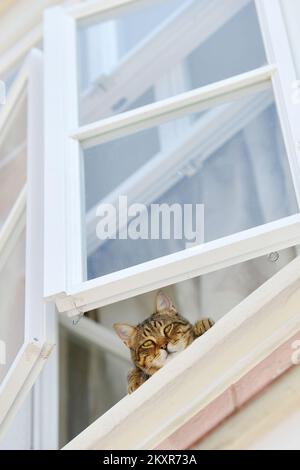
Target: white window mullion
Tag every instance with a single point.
(209, 95)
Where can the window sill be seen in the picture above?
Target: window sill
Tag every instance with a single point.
(240, 341)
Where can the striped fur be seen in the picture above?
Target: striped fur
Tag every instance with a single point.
(158, 339)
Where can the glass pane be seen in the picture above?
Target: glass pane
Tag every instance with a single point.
(230, 158)
(13, 146)
(92, 380)
(11, 75)
(12, 302)
(158, 49)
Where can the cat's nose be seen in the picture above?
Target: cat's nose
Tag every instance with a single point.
(164, 346)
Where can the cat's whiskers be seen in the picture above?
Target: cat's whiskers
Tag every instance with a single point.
(158, 339)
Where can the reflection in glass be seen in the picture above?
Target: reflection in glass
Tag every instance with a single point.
(92, 381)
(231, 158)
(167, 46)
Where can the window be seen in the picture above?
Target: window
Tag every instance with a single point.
(140, 109)
(160, 49)
(163, 130)
(25, 342)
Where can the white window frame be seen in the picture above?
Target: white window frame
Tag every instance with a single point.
(27, 212)
(63, 221)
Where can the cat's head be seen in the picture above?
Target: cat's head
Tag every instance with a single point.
(158, 338)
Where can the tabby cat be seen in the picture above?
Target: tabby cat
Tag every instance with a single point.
(158, 339)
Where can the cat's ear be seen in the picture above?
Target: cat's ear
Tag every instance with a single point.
(126, 333)
(165, 304)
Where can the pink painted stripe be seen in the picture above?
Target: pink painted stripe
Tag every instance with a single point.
(201, 423)
(229, 402)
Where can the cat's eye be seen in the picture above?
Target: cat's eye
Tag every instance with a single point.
(148, 344)
(168, 329)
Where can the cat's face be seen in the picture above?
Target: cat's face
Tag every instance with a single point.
(156, 340)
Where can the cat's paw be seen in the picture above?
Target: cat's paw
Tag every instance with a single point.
(135, 379)
(132, 388)
(201, 326)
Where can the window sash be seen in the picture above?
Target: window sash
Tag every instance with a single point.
(65, 256)
(180, 266)
(37, 346)
(63, 276)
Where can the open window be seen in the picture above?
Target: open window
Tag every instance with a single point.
(25, 345)
(136, 107)
(213, 127)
